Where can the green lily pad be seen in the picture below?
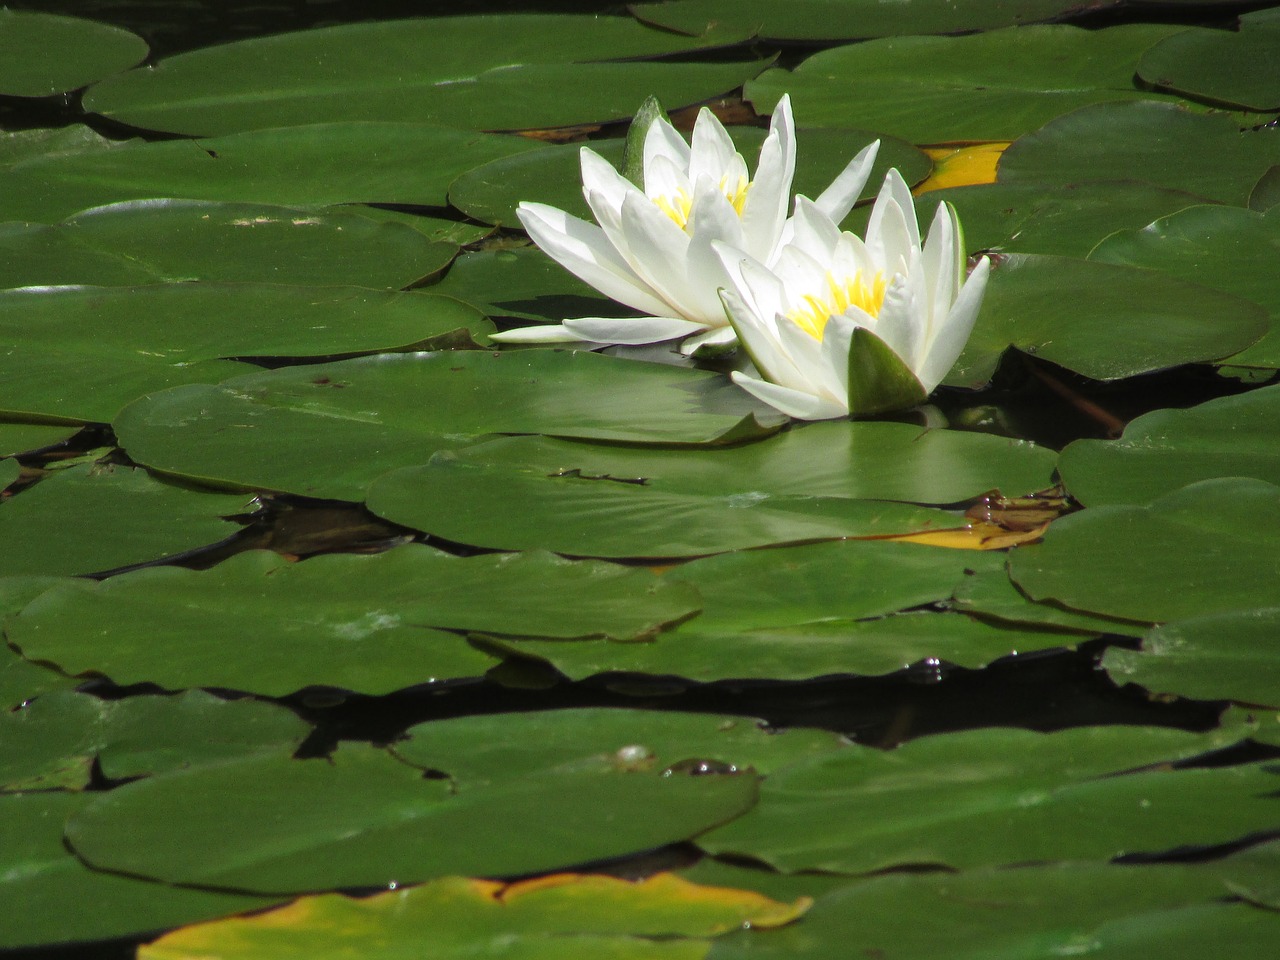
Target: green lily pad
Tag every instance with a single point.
(20, 680)
(492, 191)
(848, 19)
(17, 146)
(94, 518)
(991, 595)
(84, 353)
(1238, 69)
(43, 879)
(42, 54)
(477, 751)
(1228, 248)
(1000, 796)
(368, 623)
(10, 470)
(1159, 452)
(986, 86)
(151, 241)
(316, 165)
(1027, 913)
(824, 481)
(253, 824)
(1203, 154)
(803, 652)
(600, 916)
(485, 72)
(1206, 548)
(16, 438)
(53, 741)
(343, 424)
(1063, 219)
(1227, 656)
(1133, 321)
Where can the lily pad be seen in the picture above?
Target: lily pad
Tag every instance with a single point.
(1226, 656)
(1206, 548)
(1236, 436)
(485, 72)
(825, 481)
(1238, 69)
(42, 54)
(1068, 220)
(253, 824)
(151, 241)
(10, 470)
(43, 878)
(991, 595)
(492, 192)
(477, 751)
(53, 741)
(1203, 154)
(849, 19)
(16, 438)
(661, 916)
(1228, 248)
(329, 430)
(1133, 321)
(1059, 909)
(315, 165)
(373, 624)
(987, 86)
(95, 518)
(84, 353)
(1000, 796)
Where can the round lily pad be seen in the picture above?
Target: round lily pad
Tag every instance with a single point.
(996, 85)
(371, 624)
(84, 353)
(94, 518)
(42, 54)
(1133, 321)
(343, 424)
(1233, 68)
(254, 824)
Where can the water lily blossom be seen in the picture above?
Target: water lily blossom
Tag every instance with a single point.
(840, 325)
(653, 246)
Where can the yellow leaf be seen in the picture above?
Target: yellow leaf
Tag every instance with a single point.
(962, 166)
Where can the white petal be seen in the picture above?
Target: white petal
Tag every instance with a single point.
(665, 179)
(764, 213)
(813, 231)
(838, 199)
(657, 250)
(583, 250)
(631, 330)
(662, 140)
(713, 154)
(953, 334)
(758, 337)
(892, 231)
(716, 338)
(900, 321)
(543, 333)
(794, 403)
(602, 185)
(712, 217)
(939, 265)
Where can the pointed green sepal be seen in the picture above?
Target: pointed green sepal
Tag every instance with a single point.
(878, 379)
(633, 150)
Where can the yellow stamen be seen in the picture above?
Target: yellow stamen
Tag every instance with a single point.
(812, 314)
(679, 205)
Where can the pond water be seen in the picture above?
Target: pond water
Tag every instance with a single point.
(316, 595)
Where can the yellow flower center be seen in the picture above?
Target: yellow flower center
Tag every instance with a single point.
(812, 314)
(678, 206)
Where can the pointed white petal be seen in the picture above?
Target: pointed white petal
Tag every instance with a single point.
(583, 250)
(900, 320)
(712, 218)
(662, 140)
(953, 334)
(794, 403)
(765, 211)
(939, 265)
(630, 330)
(892, 232)
(657, 250)
(664, 179)
(838, 199)
(813, 231)
(758, 337)
(713, 154)
(543, 333)
(602, 185)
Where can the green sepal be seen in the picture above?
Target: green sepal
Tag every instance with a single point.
(633, 150)
(878, 379)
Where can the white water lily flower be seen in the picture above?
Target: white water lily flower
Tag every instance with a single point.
(840, 325)
(653, 249)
